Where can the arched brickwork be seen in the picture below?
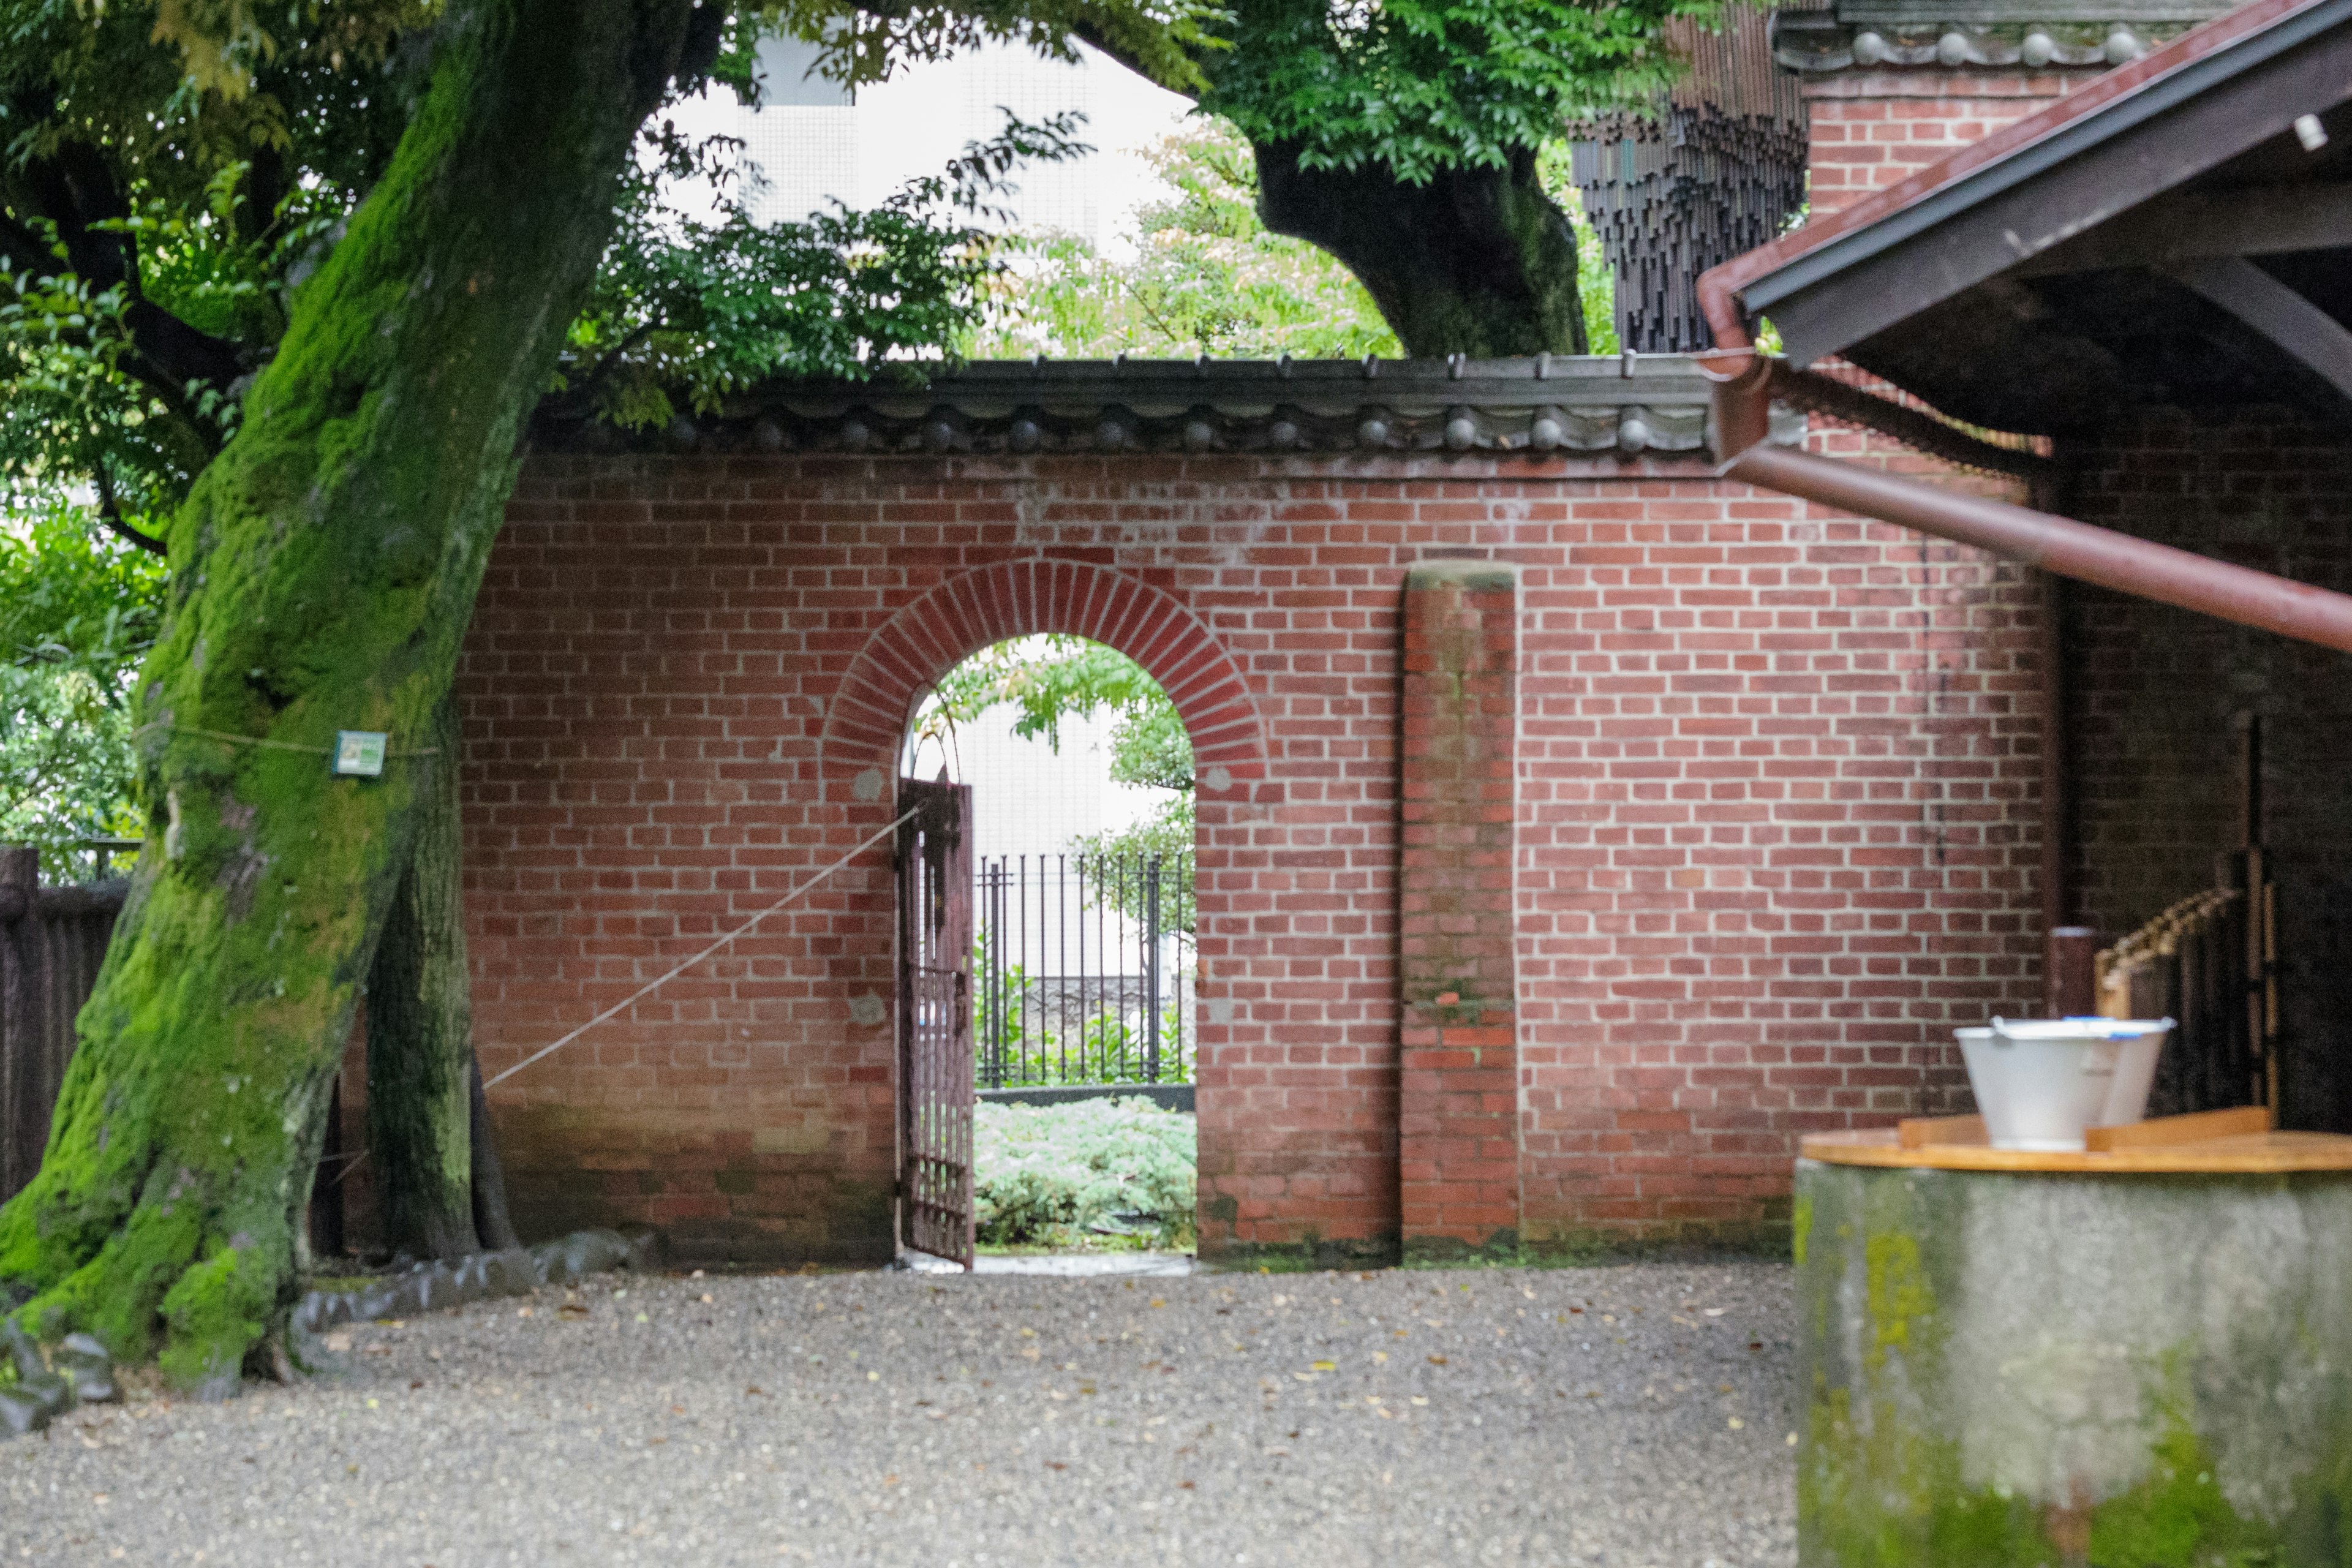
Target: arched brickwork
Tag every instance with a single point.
(868, 717)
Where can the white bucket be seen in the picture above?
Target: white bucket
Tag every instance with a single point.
(2039, 1086)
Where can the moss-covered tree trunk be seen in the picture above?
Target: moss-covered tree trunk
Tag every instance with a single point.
(323, 571)
(1476, 261)
(420, 1047)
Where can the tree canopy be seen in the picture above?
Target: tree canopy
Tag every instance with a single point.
(1050, 680)
(127, 341)
(1420, 87)
(154, 225)
(1405, 139)
(1206, 275)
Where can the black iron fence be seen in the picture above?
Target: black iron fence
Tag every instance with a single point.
(1082, 970)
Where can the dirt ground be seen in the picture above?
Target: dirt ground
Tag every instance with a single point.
(1638, 1416)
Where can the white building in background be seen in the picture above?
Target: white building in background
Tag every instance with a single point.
(1026, 798)
(813, 141)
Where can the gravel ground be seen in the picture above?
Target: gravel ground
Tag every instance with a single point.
(1633, 1415)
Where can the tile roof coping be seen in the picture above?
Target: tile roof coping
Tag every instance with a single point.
(1625, 405)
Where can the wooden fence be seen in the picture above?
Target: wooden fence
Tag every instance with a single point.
(2210, 963)
(52, 941)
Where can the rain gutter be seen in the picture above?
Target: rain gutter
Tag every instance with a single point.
(1745, 381)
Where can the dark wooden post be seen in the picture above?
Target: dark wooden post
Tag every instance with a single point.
(24, 1109)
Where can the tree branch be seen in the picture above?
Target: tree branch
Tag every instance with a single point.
(1094, 38)
(582, 400)
(264, 188)
(21, 250)
(110, 514)
(706, 29)
(74, 189)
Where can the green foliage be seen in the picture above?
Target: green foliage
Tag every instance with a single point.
(171, 171)
(1050, 1175)
(1420, 86)
(132, 318)
(1004, 1014)
(1124, 1045)
(84, 401)
(1165, 834)
(1016, 1045)
(77, 612)
(1207, 277)
(167, 172)
(689, 310)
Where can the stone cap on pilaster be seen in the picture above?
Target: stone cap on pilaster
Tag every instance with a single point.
(1470, 573)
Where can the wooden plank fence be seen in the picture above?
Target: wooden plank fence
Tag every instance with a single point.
(52, 941)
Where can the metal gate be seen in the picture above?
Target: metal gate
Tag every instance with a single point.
(935, 1056)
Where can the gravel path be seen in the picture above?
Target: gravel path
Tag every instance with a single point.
(1636, 1415)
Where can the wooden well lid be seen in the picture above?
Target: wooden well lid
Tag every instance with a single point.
(2240, 1142)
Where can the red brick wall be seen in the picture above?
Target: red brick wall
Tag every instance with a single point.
(1776, 819)
(1872, 129)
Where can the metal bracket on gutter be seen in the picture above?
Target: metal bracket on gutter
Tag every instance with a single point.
(1745, 384)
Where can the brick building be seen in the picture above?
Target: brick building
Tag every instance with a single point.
(1576, 828)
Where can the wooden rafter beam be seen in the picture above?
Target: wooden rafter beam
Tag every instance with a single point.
(2298, 327)
(2263, 220)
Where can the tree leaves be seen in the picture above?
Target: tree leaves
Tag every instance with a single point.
(1163, 38)
(1206, 278)
(689, 310)
(1418, 86)
(76, 614)
(1050, 679)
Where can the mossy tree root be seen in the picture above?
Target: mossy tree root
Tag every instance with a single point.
(323, 571)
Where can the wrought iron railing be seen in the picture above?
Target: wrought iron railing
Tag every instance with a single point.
(1082, 970)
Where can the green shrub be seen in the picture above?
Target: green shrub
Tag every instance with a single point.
(1064, 1175)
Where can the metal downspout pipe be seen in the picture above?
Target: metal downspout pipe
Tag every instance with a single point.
(1743, 397)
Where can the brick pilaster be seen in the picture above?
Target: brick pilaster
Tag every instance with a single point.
(1457, 1121)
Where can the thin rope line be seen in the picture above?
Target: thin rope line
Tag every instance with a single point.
(269, 744)
(631, 1000)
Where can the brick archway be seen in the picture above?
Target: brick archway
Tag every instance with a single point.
(868, 717)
